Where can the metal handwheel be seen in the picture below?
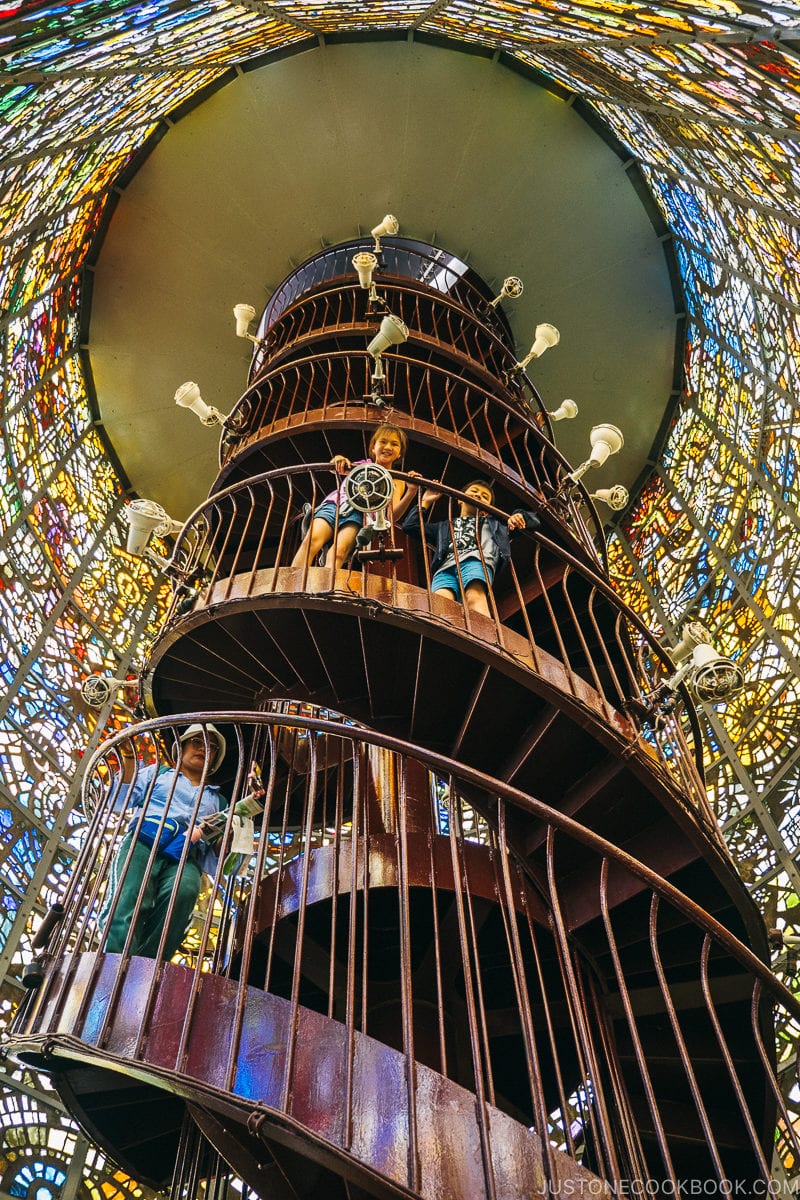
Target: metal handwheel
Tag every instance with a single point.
(368, 488)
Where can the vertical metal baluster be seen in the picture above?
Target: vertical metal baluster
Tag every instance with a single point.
(631, 1143)
(232, 569)
(437, 945)
(258, 563)
(280, 870)
(248, 932)
(638, 1050)
(406, 981)
(578, 630)
(360, 783)
(524, 883)
(679, 1040)
(338, 846)
(769, 1072)
(728, 1059)
(579, 1019)
(307, 834)
(460, 886)
(216, 510)
(509, 914)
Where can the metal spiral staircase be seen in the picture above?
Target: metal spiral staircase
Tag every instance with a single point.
(489, 941)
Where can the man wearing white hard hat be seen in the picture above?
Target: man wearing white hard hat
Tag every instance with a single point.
(165, 882)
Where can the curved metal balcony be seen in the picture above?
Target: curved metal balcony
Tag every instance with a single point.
(405, 259)
(560, 661)
(420, 980)
(340, 314)
(295, 411)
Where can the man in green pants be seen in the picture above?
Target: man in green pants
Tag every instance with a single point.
(170, 793)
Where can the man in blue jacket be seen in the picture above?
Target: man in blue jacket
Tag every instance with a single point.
(466, 557)
(170, 793)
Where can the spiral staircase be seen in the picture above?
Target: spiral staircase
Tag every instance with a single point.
(489, 943)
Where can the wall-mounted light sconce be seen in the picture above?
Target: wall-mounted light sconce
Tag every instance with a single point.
(392, 332)
(188, 396)
(566, 411)
(387, 228)
(97, 690)
(145, 518)
(545, 337)
(245, 314)
(710, 677)
(605, 440)
(512, 289)
(366, 264)
(615, 497)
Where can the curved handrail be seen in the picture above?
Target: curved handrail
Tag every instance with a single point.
(484, 423)
(442, 765)
(402, 257)
(571, 965)
(225, 541)
(293, 328)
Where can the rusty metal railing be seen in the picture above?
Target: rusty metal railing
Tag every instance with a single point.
(404, 902)
(502, 432)
(435, 269)
(547, 612)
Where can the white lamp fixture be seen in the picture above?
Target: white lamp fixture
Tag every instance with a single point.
(387, 228)
(615, 497)
(188, 396)
(245, 314)
(545, 337)
(711, 677)
(566, 410)
(605, 440)
(365, 263)
(694, 633)
(512, 288)
(96, 690)
(714, 678)
(392, 332)
(145, 518)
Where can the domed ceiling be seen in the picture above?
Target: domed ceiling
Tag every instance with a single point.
(317, 147)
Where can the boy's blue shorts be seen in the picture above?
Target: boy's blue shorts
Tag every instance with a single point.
(471, 570)
(327, 511)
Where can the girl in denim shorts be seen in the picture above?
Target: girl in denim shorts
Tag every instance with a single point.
(387, 446)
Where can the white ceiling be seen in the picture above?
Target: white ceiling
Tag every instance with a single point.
(314, 149)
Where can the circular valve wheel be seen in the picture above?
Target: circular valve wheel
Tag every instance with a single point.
(368, 487)
(96, 690)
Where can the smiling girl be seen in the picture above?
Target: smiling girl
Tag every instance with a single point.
(387, 446)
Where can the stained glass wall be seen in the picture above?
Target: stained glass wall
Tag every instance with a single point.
(703, 93)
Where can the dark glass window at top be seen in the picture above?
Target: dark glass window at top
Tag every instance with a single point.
(399, 258)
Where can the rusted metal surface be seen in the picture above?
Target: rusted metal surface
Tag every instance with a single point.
(422, 976)
(552, 621)
(393, 972)
(456, 387)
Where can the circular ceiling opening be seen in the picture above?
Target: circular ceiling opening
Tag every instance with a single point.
(313, 149)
